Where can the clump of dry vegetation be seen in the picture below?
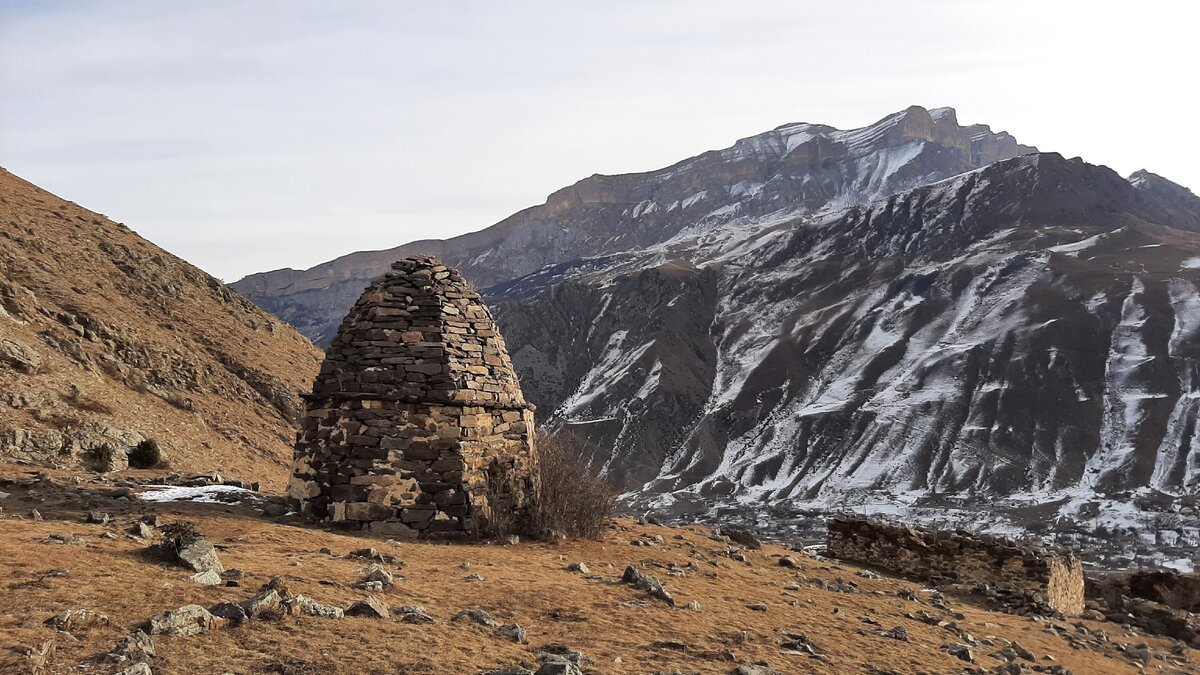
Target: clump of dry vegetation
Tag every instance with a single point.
(569, 498)
(145, 455)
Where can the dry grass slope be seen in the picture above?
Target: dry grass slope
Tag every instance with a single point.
(619, 627)
(107, 339)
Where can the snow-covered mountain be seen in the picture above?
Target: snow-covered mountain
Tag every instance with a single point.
(803, 168)
(912, 311)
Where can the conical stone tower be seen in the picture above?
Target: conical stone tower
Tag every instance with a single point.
(416, 423)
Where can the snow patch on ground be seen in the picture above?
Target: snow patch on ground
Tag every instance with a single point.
(204, 494)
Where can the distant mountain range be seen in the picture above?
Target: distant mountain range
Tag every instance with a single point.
(909, 309)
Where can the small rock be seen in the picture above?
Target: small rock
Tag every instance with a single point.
(207, 578)
(963, 652)
(232, 613)
(743, 537)
(897, 633)
(302, 604)
(370, 607)
(64, 538)
(558, 668)
(477, 615)
(325, 550)
(473, 577)
(789, 561)
(134, 647)
(137, 669)
(693, 606)
(632, 575)
(513, 631)
(76, 620)
(579, 567)
(756, 607)
(377, 573)
(412, 614)
(186, 620)
(266, 605)
(97, 517)
(200, 555)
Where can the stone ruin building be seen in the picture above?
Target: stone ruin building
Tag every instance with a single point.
(1025, 578)
(416, 424)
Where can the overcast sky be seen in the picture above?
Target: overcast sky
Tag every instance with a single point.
(250, 135)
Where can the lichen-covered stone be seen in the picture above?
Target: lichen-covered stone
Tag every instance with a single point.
(416, 424)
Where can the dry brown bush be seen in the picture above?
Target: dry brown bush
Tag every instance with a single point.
(569, 498)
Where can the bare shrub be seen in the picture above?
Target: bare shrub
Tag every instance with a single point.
(569, 498)
(100, 457)
(145, 455)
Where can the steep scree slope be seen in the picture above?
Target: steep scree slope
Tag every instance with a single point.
(1027, 328)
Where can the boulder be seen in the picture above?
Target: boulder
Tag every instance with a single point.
(477, 615)
(199, 555)
(266, 605)
(229, 611)
(207, 578)
(134, 647)
(302, 604)
(370, 607)
(513, 631)
(186, 620)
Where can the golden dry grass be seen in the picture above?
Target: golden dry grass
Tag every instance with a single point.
(526, 584)
(166, 332)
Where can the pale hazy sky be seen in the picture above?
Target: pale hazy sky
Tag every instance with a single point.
(249, 135)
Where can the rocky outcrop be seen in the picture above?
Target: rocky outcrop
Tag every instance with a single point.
(416, 423)
(1024, 577)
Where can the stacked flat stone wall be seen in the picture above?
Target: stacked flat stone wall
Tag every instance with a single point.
(416, 423)
(1025, 577)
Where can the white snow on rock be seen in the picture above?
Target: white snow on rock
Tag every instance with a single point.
(204, 494)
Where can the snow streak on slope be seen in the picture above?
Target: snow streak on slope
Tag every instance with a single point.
(1021, 333)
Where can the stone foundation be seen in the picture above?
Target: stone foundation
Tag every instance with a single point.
(1025, 577)
(416, 424)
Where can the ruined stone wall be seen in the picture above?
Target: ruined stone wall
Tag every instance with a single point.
(1024, 577)
(416, 423)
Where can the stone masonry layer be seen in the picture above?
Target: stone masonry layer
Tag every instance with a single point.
(416, 424)
(1025, 577)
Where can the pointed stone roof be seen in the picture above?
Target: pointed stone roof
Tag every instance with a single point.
(420, 334)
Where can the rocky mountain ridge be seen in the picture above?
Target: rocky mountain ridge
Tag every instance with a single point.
(886, 317)
(797, 167)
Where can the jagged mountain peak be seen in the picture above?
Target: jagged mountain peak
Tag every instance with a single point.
(797, 168)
